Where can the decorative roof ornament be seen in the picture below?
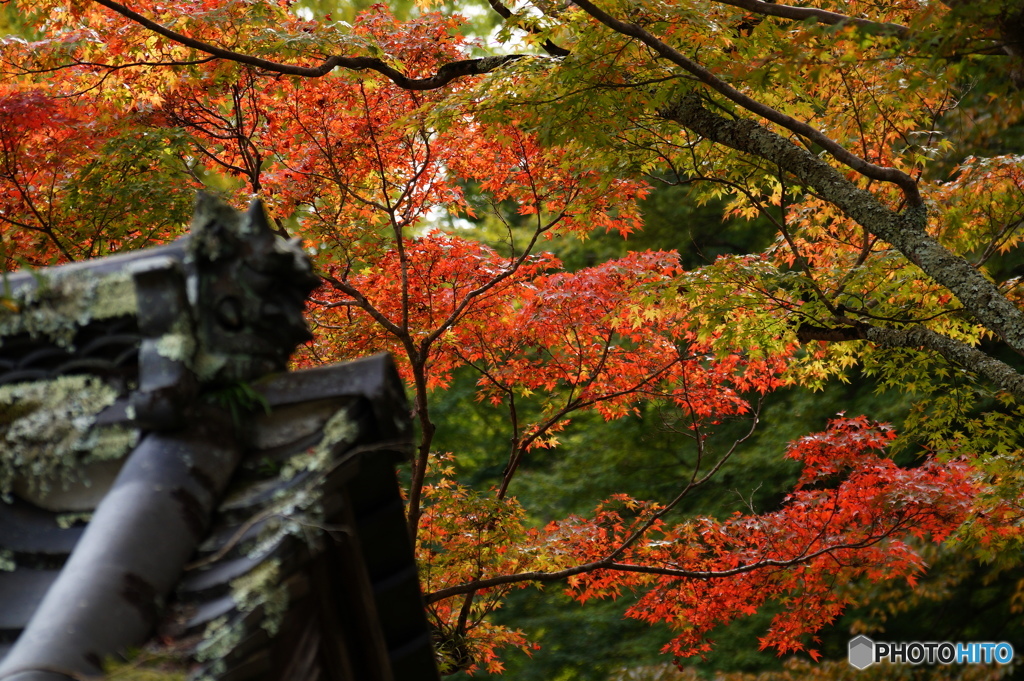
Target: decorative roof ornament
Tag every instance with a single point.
(249, 290)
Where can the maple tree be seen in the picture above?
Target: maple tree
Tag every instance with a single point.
(876, 137)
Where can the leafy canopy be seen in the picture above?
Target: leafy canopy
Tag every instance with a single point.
(879, 139)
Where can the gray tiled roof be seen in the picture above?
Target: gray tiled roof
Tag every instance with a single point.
(303, 570)
(156, 492)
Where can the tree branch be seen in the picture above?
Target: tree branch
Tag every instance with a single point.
(607, 564)
(1000, 373)
(548, 46)
(841, 154)
(904, 230)
(444, 75)
(696, 480)
(822, 15)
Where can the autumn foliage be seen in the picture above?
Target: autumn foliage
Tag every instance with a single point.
(389, 147)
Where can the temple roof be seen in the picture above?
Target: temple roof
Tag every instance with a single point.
(302, 569)
(172, 498)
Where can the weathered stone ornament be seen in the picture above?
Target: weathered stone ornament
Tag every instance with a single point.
(220, 306)
(249, 291)
(144, 502)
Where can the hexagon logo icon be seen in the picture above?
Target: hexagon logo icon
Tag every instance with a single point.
(862, 652)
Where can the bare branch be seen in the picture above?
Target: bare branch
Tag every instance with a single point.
(696, 480)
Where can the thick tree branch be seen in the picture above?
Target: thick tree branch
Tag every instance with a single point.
(841, 154)
(823, 16)
(904, 230)
(446, 74)
(1001, 374)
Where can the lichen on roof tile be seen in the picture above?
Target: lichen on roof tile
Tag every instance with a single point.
(48, 430)
(62, 302)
